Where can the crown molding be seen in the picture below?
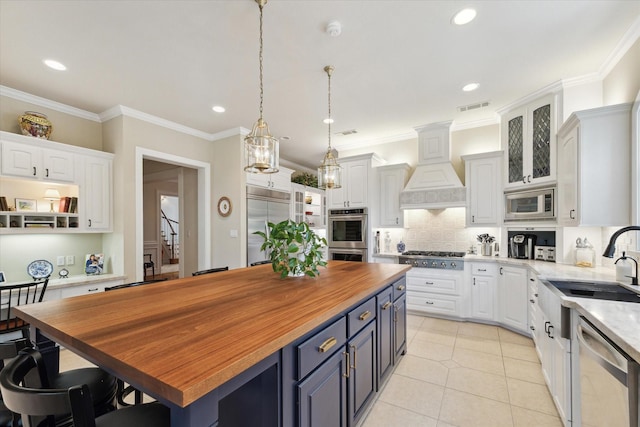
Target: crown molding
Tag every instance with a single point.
(377, 141)
(168, 124)
(552, 88)
(475, 123)
(47, 103)
(630, 37)
(230, 132)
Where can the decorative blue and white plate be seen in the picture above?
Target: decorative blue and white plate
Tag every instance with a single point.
(40, 269)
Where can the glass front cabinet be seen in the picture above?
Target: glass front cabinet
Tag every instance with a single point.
(529, 141)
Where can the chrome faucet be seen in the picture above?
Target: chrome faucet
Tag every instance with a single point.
(611, 247)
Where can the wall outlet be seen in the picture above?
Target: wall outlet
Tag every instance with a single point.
(60, 260)
(71, 259)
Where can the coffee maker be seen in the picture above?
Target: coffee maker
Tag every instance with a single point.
(522, 246)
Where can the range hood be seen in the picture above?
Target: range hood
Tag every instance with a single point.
(434, 184)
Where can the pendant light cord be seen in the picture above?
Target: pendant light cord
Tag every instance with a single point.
(260, 59)
(329, 71)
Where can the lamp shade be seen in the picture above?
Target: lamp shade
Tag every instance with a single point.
(51, 194)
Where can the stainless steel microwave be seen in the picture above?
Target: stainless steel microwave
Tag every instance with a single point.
(537, 204)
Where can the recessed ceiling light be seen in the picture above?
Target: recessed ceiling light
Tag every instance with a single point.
(218, 109)
(464, 16)
(327, 121)
(54, 64)
(470, 87)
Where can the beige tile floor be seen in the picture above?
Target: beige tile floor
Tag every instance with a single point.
(464, 374)
(455, 374)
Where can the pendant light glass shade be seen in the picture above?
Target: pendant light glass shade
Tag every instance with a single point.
(261, 151)
(329, 171)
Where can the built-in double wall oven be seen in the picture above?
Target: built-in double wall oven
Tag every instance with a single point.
(347, 234)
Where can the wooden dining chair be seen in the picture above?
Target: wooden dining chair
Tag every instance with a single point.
(211, 270)
(23, 385)
(16, 295)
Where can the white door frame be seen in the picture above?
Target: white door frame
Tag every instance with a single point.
(204, 202)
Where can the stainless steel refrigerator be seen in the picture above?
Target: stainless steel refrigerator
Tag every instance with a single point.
(263, 205)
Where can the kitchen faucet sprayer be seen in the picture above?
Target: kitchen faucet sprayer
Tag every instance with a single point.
(611, 247)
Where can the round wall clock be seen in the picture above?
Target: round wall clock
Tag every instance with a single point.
(63, 273)
(224, 206)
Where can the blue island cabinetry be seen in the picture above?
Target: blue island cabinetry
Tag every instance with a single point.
(332, 375)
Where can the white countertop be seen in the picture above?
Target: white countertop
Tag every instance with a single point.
(83, 280)
(620, 321)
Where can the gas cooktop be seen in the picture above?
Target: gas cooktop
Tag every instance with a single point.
(438, 254)
(443, 260)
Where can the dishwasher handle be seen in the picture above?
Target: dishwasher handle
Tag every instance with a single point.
(618, 373)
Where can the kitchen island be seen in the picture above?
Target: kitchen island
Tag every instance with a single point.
(237, 346)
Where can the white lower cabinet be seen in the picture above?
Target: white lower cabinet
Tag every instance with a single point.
(554, 350)
(512, 298)
(435, 292)
(483, 291)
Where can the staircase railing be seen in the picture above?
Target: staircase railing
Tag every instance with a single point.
(169, 230)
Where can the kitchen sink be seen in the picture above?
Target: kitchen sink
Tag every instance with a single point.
(596, 290)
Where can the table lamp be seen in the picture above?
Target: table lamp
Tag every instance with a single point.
(51, 195)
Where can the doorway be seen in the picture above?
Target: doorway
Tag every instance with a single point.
(188, 181)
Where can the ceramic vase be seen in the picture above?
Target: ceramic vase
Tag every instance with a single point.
(35, 124)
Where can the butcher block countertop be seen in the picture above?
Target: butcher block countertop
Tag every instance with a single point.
(180, 339)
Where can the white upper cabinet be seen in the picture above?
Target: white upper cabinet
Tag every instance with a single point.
(355, 185)
(28, 161)
(483, 180)
(594, 170)
(96, 194)
(529, 140)
(83, 174)
(280, 180)
(392, 180)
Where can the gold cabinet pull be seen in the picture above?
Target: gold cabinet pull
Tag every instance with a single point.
(365, 315)
(387, 305)
(400, 287)
(348, 368)
(325, 346)
(355, 351)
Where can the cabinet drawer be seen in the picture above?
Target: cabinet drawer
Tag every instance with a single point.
(442, 285)
(433, 303)
(321, 346)
(360, 316)
(484, 269)
(399, 288)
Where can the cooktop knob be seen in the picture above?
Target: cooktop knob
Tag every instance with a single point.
(434, 264)
(425, 263)
(443, 264)
(453, 265)
(415, 263)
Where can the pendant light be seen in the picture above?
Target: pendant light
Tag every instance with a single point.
(260, 148)
(329, 171)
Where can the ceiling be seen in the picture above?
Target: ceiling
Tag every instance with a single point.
(398, 64)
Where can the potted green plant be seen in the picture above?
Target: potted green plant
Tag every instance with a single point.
(295, 248)
(304, 178)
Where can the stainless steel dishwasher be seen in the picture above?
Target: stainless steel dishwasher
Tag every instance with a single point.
(608, 381)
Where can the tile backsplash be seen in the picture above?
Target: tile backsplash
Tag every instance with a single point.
(436, 230)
